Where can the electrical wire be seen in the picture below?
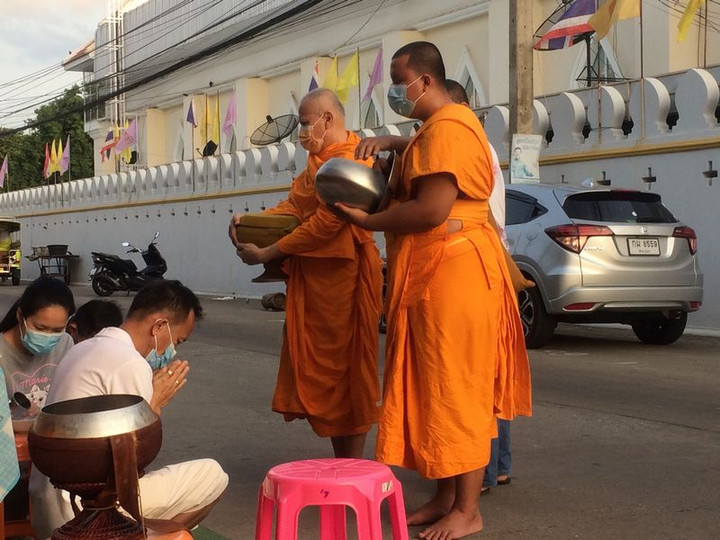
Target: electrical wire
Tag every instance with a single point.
(264, 23)
(51, 96)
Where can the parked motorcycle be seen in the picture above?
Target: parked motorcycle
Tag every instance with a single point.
(111, 273)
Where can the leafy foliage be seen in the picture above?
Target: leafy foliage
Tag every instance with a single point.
(26, 150)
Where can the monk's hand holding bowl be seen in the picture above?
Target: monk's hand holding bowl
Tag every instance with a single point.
(353, 215)
(232, 230)
(251, 254)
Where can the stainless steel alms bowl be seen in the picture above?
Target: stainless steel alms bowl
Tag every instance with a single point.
(351, 183)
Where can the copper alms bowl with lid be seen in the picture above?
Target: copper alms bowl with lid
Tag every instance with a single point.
(70, 441)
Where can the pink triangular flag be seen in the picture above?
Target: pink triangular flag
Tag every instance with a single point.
(230, 117)
(128, 138)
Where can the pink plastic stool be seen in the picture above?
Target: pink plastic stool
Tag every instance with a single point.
(330, 484)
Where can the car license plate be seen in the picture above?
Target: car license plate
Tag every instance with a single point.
(643, 246)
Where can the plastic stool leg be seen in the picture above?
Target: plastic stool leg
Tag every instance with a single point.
(397, 514)
(287, 521)
(369, 524)
(332, 522)
(264, 518)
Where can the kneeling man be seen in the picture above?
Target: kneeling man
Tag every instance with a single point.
(137, 358)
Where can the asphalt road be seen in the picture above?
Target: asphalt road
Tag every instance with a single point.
(624, 442)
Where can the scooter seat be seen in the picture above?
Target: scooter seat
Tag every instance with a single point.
(128, 266)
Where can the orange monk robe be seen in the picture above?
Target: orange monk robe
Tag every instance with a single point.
(328, 364)
(455, 356)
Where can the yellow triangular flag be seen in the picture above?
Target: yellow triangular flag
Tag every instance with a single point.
(687, 18)
(58, 156)
(53, 158)
(349, 79)
(116, 138)
(331, 77)
(204, 123)
(216, 122)
(611, 12)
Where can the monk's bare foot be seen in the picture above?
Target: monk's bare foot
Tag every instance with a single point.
(454, 525)
(429, 512)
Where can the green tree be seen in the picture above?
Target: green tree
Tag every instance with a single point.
(26, 150)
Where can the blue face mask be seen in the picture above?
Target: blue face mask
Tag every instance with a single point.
(158, 361)
(398, 101)
(39, 343)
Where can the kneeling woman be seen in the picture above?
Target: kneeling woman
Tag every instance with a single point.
(34, 341)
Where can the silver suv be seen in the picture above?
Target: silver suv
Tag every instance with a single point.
(601, 256)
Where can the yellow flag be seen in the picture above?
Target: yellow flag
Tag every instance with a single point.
(331, 77)
(116, 138)
(611, 12)
(687, 18)
(349, 79)
(58, 156)
(54, 165)
(216, 122)
(204, 123)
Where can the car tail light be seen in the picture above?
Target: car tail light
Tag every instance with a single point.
(689, 233)
(580, 306)
(574, 237)
(695, 305)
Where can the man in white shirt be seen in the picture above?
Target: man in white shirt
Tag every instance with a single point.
(137, 358)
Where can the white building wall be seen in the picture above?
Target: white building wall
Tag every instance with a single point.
(191, 202)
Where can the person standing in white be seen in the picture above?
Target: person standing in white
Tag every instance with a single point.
(137, 358)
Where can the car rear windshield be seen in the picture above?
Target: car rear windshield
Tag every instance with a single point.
(618, 207)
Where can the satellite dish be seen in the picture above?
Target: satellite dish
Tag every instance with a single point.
(274, 130)
(209, 149)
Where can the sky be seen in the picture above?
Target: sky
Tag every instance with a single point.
(37, 34)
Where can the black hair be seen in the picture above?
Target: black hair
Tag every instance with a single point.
(423, 57)
(95, 315)
(41, 293)
(456, 91)
(170, 295)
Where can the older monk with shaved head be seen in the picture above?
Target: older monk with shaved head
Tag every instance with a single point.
(328, 364)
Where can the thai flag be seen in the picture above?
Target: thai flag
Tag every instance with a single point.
(315, 78)
(570, 29)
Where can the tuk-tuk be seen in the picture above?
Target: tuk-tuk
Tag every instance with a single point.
(10, 254)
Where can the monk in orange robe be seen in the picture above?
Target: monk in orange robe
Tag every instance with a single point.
(455, 357)
(328, 364)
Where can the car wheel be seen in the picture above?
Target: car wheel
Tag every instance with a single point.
(102, 285)
(538, 325)
(660, 331)
(15, 272)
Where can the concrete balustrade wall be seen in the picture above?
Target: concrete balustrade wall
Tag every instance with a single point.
(666, 127)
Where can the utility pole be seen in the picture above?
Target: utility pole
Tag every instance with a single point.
(117, 66)
(521, 66)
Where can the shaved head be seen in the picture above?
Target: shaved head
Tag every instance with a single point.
(456, 92)
(423, 57)
(324, 100)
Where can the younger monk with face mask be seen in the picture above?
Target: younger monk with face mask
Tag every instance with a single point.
(328, 364)
(455, 358)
